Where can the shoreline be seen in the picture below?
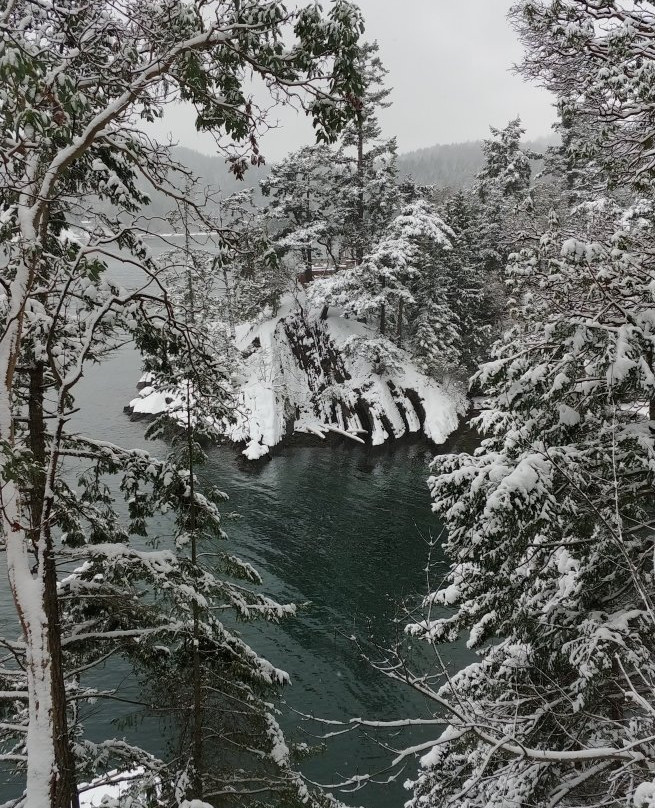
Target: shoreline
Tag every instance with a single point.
(331, 439)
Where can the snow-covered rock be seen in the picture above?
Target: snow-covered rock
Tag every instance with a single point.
(301, 373)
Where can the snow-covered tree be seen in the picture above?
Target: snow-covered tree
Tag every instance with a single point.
(214, 690)
(549, 535)
(250, 274)
(503, 187)
(507, 171)
(476, 294)
(228, 273)
(304, 193)
(550, 530)
(403, 285)
(597, 58)
(188, 270)
(368, 195)
(76, 82)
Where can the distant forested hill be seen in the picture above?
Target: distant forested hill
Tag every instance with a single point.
(212, 171)
(451, 165)
(215, 172)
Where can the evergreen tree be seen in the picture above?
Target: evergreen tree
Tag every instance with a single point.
(248, 268)
(596, 59)
(476, 294)
(304, 194)
(503, 187)
(550, 521)
(213, 687)
(190, 273)
(76, 80)
(548, 535)
(404, 284)
(506, 172)
(367, 193)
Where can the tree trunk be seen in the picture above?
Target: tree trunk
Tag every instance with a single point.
(651, 403)
(28, 594)
(63, 787)
(27, 588)
(229, 301)
(399, 330)
(189, 267)
(197, 752)
(359, 245)
(309, 269)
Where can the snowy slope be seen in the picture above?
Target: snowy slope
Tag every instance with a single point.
(304, 374)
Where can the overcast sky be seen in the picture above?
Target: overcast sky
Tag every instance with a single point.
(449, 64)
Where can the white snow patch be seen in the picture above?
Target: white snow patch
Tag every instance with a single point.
(644, 795)
(105, 790)
(327, 390)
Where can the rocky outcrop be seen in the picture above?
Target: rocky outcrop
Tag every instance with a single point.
(301, 373)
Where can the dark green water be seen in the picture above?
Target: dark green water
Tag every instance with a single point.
(343, 529)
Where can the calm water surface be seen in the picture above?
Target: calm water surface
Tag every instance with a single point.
(342, 529)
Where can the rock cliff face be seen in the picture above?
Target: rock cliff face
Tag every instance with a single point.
(302, 373)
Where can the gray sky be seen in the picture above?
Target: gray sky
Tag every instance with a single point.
(449, 64)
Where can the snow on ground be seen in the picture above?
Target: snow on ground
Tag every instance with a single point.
(149, 402)
(304, 374)
(106, 792)
(113, 791)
